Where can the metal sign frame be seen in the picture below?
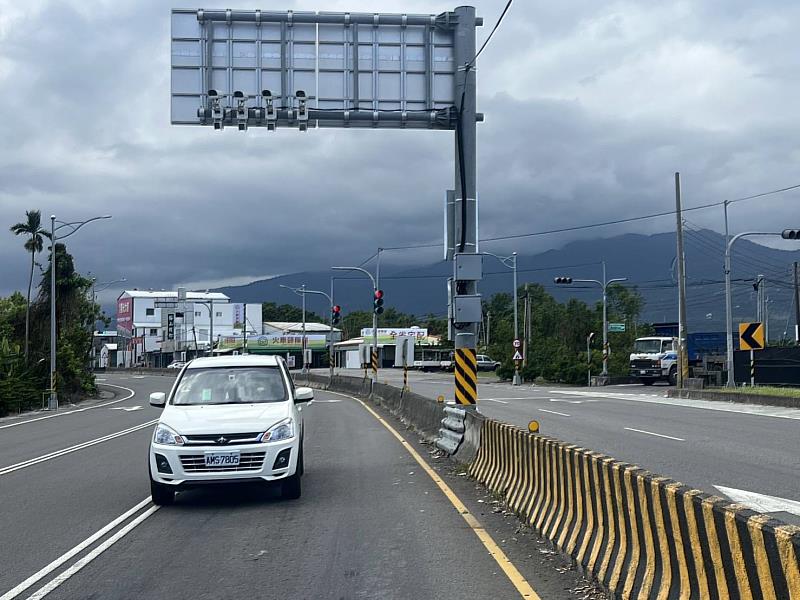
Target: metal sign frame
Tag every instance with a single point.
(308, 69)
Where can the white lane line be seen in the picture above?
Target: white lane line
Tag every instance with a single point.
(508, 398)
(554, 412)
(75, 448)
(755, 410)
(72, 412)
(13, 593)
(61, 578)
(567, 401)
(493, 400)
(661, 435)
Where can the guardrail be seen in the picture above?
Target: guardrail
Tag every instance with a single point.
(640, 535)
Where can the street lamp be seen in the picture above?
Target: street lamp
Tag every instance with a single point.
(374, 313)
(604, 286)
(302, 290)
(787, 234)
(73, 228)
(505, 260)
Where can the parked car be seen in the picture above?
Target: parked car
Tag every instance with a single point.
(176, 365)
(229, 419)
(487, 364)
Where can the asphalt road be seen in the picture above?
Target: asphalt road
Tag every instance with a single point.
(371, 522)
(703, 444)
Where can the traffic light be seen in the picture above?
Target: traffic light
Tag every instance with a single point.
(336, 314)
(791, 234)
(563, 280)
(378, 304)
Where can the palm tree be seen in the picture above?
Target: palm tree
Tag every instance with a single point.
(32, 228)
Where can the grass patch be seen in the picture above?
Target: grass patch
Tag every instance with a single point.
(782, 392)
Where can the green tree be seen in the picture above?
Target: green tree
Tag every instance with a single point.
(270, 311)
(32, 229)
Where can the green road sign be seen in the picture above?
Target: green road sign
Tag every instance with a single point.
(616, 327)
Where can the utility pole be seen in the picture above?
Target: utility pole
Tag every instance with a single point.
(244, 328)
(527, 335)
(488, 326)
(796, 307)
(303, 292)
(683, 363)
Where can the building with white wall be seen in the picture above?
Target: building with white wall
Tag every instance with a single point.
(156, 327)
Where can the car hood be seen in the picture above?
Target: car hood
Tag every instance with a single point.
(224, 418)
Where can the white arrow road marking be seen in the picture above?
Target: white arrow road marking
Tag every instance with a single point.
(761, 502)
(127, 408)
(661, 435)
(72, 412)
(553, 412)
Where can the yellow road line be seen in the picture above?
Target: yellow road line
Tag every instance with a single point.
(514, 576)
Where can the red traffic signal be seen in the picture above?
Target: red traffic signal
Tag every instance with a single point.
(378, 294)
(337, 309)
(378, 304)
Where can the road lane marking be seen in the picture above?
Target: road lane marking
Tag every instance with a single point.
(567, 400)
(61, 578)
(13, 593)
(515, 577)
(661, 435)
(72, 412)
(75, 448)
(127, 408)
(776, 412)
(494, 400)
(554, 412)
(760, 502)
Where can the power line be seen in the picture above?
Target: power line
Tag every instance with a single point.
(471, 63)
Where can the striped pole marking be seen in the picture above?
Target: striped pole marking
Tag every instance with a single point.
(374, 362)
(466, 375)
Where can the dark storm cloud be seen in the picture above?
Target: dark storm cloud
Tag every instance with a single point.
(590, 108)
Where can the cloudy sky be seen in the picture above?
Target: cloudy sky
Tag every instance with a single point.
(590, 109)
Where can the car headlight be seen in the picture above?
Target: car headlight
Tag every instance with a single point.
(284, 430)
(166, 436)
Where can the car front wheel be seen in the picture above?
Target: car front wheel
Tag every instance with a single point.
(162, 495)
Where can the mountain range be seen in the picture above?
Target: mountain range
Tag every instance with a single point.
(648, 262)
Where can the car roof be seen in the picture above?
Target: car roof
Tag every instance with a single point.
(242, 360)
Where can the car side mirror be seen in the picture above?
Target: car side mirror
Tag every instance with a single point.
(303, 394)
(158, 399)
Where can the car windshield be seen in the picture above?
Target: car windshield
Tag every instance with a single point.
(647, 346)
(231, 385)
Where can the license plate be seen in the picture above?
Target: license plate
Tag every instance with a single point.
(643, 372)
(222, 459)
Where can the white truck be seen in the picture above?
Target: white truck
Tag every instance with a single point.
(655, 359)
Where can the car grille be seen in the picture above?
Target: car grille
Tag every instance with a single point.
(248, 461)
(231, 439)
(644, 364)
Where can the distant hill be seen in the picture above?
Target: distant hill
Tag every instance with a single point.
(646, 260)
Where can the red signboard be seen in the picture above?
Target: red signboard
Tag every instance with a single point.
(125, 314)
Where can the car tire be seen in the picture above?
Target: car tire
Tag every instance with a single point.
(290, 487)
(673, 376)
(162, 495)
(300, 465)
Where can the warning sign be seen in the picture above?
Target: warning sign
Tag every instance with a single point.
(517, 355)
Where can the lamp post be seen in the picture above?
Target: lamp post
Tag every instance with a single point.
(787, 234)
(54, 237)
(604, 286)
(374, 314)
(304, 291)
(505, 260)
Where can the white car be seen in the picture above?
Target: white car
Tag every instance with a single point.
(228, 419)
(176, 365)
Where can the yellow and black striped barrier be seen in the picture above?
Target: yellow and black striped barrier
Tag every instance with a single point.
(374, 359)
(466, 374)
(640, 535)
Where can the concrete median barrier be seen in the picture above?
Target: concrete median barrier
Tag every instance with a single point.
(640, 535)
